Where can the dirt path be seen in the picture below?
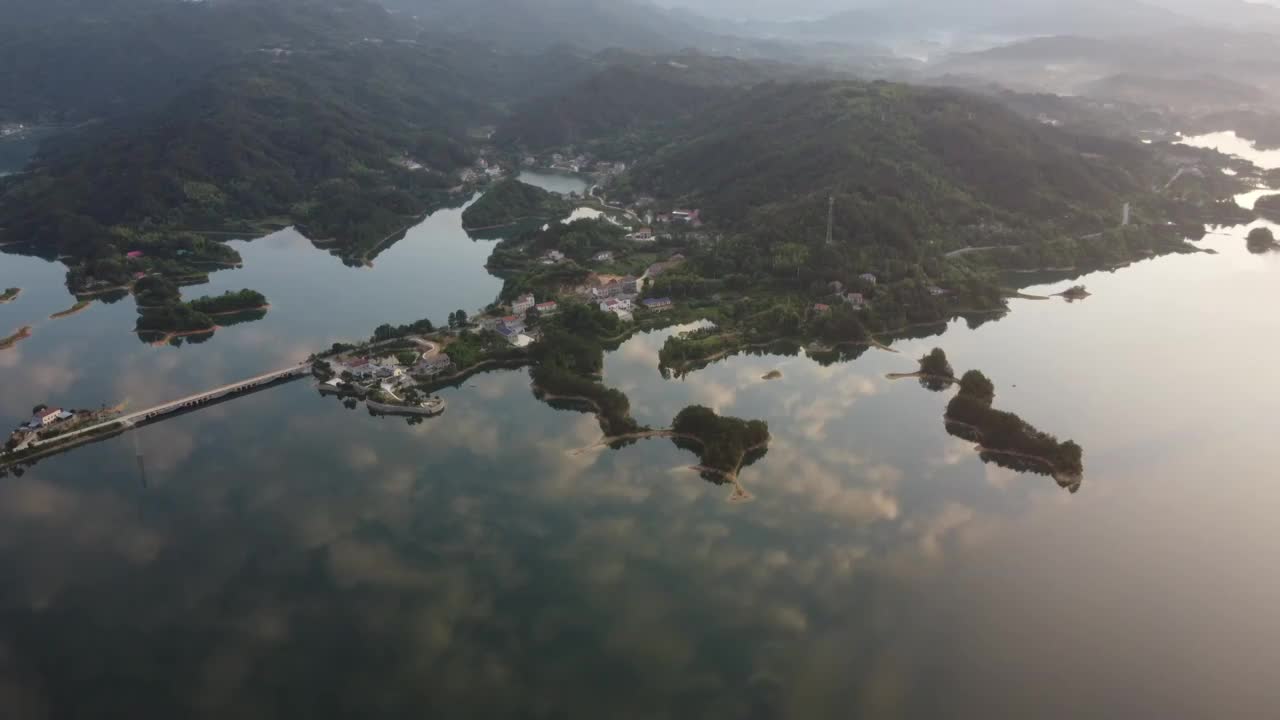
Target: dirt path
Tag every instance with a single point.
(924, 376)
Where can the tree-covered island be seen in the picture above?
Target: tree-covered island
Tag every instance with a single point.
(1261, 240)
(1007, 439)
(9, 295)
(164, 317)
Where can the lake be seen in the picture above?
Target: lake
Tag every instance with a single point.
(280, 556)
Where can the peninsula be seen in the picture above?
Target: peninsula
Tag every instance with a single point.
(510, 202)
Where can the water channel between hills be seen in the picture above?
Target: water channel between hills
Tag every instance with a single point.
(281, 556)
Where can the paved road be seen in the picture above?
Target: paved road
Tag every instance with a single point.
(135, 417)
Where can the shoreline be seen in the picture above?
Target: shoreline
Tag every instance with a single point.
(512, 223)
(23, 333)
(170, 336)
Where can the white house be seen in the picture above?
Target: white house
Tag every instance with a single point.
(523, 304)
(46, 416)
(868, 278)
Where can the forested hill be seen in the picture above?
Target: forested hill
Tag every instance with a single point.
(634, 92)
(309, 137)
(615, 101)
(906, 164)
(82, 59)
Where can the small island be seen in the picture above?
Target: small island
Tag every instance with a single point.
(164, 318)
(23, 333)
(1261, 240)
(1074, 293)
(1007, 439)
(9, 295)
(230, 303)
(509, 202)
(935, 372)
(724, 445)
(772, 375)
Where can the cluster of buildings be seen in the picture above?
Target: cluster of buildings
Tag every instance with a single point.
(579, 163)
(857, 300)
(42, 419)
(514, 327)
(552, 257)
(643, 235)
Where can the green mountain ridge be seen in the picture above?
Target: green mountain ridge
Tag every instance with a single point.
(907, 165)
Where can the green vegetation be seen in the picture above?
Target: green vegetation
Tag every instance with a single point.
(622, 100)
(9, 295)
(976, 385)
(519, 260)
(723, 444)
(1268, 206)
(936, 373)
(232, 119)
(229, 302)
(172, 318)
(155, 290)
(936, 363)
(567, 365)
(470, 349)
(970, 415)
(383, 333)
(1261, 240)
(509, 202)
(162, 312)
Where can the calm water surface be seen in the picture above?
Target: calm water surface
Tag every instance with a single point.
(280, 556)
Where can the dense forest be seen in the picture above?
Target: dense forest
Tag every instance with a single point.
(239, 117)
(621, 99)
(510, 201)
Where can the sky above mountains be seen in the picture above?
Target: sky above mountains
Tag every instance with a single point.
(777, 10)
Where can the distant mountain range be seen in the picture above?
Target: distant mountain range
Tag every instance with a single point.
(1216, 67)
